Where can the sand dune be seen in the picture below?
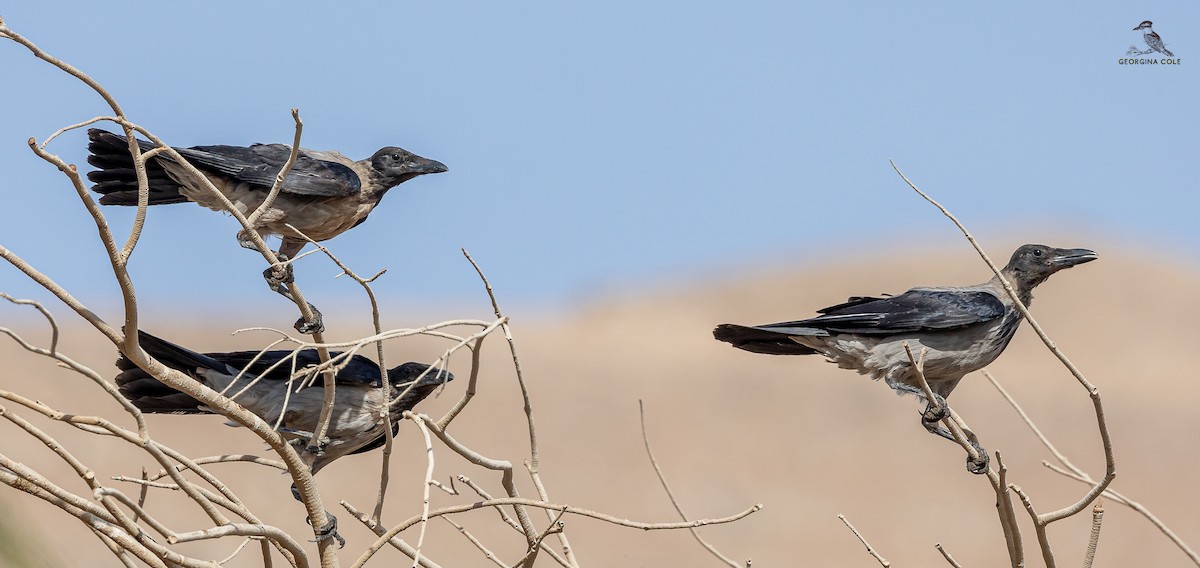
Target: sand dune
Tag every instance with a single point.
(732, 429)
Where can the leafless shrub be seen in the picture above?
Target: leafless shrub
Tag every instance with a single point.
(998, 476)
(125, 521)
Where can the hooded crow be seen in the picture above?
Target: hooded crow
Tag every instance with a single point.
(356, 425)
(964, 328)
(324, 194)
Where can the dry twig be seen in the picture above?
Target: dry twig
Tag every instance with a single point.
(874, 553)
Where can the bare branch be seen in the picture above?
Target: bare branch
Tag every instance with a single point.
(488, 554)
(549, 506)
(946, 555)
(395, 541)
(534, 463)
(670, 495)
(1093, 392)
(1094, 538)
(882, 561)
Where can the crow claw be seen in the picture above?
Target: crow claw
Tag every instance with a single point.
(327, 531)
(935, 410)
(980, 466)
(317, 325)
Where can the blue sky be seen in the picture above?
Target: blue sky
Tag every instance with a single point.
(595, 147)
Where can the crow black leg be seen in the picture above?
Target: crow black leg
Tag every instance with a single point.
(935, 410)
(316, 325)
(328, 530)
(934, 413)
(303, 438)
(277, 280)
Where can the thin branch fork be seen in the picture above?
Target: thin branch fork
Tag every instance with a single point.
(508, 501)
(533, 465)
(127, 342)
(1078, 474)
(670, 495)
(1040, 521)
(870, 550)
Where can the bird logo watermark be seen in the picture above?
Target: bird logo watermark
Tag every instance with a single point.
(1156, 48)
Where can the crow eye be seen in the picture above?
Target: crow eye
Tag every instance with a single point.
(396, 157)
(1037, 252)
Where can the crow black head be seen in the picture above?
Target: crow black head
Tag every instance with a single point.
(401, 376)
(1031, 265)
(397, 165)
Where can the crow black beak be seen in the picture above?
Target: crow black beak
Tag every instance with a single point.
(1066, 258)
(427, 166)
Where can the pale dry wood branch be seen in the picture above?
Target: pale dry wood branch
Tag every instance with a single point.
(1008, 514)
(266, 555)
(91, 374)
(157, 451)
(952, 422)
(870, 550)
(124, 282)
(955, 425)
(1039, 528)
(1093, 392)
(237, 551)
(509, 520)
(1078, 474)
(54, 332)
(89, 477)
(21, 477)
(1136, 506)
(386, 416)
(1094, 537)
(449, 489)
(509, 501)
(236, 508)
(244, 529)
(472, 381)
(429, 461)
(224, 458)
(143, 491)
(120, 553)
(946, 555)
(395, 541)
(129, 524)
(205, 498)
(503, 466)
(488, 554)
(265, 531)
(556, 526)
(534, 463)
(98, 518)
(138, 511)
(671, 495)
(277, 186)
(123, 540)
(128, 342)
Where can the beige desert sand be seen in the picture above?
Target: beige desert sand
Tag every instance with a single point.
(729, 428)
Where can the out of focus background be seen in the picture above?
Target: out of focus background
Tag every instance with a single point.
(630, 175)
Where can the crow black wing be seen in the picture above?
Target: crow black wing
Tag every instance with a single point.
(358, 371)
(314, 173)
(915, 310)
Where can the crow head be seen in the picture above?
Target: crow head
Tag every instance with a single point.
(396, 165)
(1031, 265)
